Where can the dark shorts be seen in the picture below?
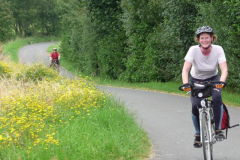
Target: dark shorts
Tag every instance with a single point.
(217, 101)
(57, 61)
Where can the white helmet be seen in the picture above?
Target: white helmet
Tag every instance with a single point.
(204, 29)
(54, 49)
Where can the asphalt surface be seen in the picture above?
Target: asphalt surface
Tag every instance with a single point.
(165, 117)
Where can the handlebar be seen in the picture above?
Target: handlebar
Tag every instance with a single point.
(214, 84)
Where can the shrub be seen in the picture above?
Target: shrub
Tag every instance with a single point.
(38, 72)
(5, 69)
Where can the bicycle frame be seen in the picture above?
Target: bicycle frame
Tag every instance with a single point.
(55, 65)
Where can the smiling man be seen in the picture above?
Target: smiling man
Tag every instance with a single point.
(203, 60)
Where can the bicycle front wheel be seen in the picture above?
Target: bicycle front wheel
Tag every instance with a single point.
(205, 135)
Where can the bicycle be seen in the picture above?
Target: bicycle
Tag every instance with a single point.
(55, 65)
(206, 116)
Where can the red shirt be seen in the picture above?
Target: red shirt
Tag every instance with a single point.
(54, 55)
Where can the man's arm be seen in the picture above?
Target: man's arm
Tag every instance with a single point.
(186, 68)
(224, 71)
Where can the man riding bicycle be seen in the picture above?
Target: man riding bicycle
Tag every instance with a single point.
(55, 57)
(202, 62)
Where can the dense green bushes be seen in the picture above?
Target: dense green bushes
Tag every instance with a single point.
(142, 41)
(6, 21)
(28, 17)
(135, 41)
(226, 28)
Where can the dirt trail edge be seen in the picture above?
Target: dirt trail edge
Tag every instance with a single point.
(165, 117)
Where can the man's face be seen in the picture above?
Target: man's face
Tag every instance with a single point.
(205, 39)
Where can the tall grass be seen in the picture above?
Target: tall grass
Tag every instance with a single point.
(58, 118)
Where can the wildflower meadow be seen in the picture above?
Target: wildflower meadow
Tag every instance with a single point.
(44, 116)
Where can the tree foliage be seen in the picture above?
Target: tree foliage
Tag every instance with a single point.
(95, 37)
(6, 21)
(132, 40)
(33, 16)
(142, 41)
(226, 28)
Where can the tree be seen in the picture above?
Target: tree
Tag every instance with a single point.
(6, 21)
(48, 17)
(34, 16)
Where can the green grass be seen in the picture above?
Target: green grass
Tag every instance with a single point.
(109, 134)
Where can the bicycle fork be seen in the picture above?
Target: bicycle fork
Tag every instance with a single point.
(209, 120)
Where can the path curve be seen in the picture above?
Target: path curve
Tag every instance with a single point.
(165, 117)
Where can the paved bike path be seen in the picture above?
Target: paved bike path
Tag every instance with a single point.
(166, 118)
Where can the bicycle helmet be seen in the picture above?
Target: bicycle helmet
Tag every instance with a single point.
(204, 29)
(54, 49)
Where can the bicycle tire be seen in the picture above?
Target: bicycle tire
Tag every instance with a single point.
(206, 144)
(54, 66)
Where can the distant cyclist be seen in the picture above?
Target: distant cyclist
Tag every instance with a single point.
(203, 60)
(55, 57)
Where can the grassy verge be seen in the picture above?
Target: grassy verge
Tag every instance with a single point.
(45, 116)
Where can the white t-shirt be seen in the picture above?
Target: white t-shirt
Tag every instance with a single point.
(204, 67)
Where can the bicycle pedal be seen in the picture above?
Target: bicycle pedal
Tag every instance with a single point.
(220, 138)
(214, 141)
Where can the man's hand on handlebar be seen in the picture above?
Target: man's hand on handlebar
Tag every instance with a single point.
(185, 87)
(219, 84)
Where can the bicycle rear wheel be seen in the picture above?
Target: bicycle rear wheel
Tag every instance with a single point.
(205, 135)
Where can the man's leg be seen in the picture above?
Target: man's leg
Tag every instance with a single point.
(58, 64)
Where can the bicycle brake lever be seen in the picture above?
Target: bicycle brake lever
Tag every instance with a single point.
(188, 92)
(216, 89)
